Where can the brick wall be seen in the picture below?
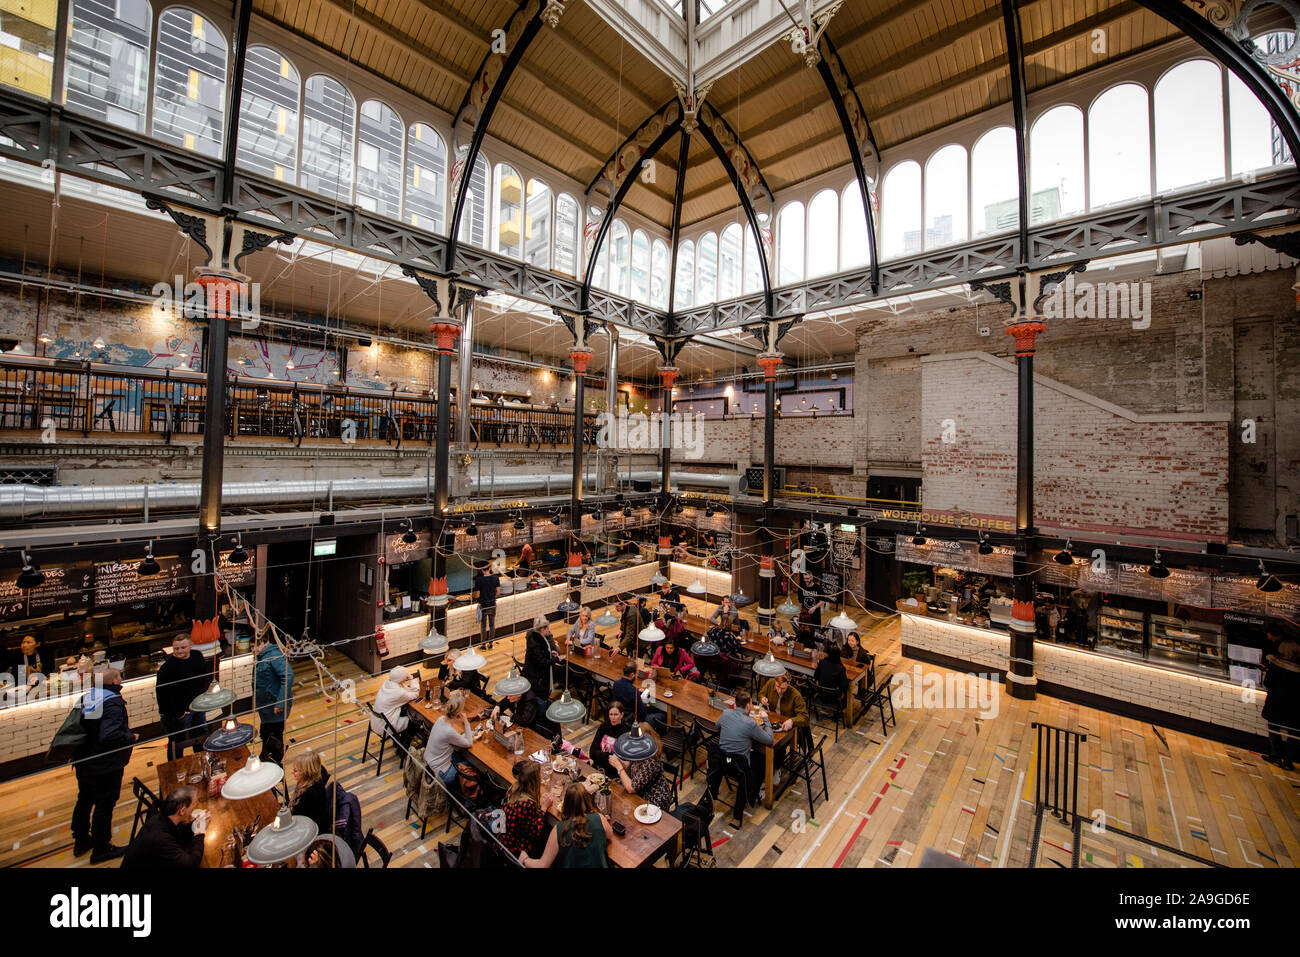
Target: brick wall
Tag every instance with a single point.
(1097, 465)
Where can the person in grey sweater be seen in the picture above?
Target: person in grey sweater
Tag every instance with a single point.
(737, 732)
(449, 732)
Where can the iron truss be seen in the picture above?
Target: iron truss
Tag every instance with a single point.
(36, 132)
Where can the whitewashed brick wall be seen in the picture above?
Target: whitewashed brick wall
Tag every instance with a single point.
(717, 582)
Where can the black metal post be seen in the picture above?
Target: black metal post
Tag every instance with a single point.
(1021, 682)
(770, 361)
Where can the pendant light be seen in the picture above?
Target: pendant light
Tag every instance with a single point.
(769, 667)
(556, 519)
(985, 547)
(650, 634)
(606, 618)
(1158, 569)
(434, 642)
(512, 683)
(658, 579)
(704, 648)
(1267, 583)
(697, 588)
(566, 709)
(918, 538)
(627, 511)
(408, 532)
(232, 734)
(471, 660)
(1066, 555)
(286, 837)
(843, 622)
(740, 599)
(519, 523)
(708, 510)
(150, 564)
(31, 576)
(254, 778)
(471, 529)
(787, 608)
(214, 699)
(633, 745)
(568, 607)
(239, 556)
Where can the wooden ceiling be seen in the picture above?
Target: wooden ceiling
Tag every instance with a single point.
(918, 65)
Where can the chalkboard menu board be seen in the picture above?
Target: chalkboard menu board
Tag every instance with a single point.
(65, 589)
(963, 556)
(829, 585)
(398, 552)
(844, 549)
(237, 576)
(118, 583)
(1084, 573)
(723, 540)
(1182, 586)
(1238, 592)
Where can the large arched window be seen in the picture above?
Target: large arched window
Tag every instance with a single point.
(600, 273)
(473, 215)
(567, 231)
(659, 266)
(509, 211)
(854, 249)
(1253, 137)
(640, 290)
(900, 212)
(752, 281)
(189, 107)
(426, 178)
(1189, 152)
(729, 253)
(994, 182)
(1056, 160)
(107, 69)
(790, 244)
(706, 269)
(1119, 146)
(946, 200)
(268, 119)
(537, 225)
(619, 256)
(380, 133)
(824, 233)
(328, 137)
(684, 284)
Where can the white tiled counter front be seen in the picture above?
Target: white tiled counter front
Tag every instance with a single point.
(27, 729)
(1220, 703)
(404, 636)
(717, 582)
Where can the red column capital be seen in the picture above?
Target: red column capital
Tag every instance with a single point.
(580, 358)
(220, 287)
(668, 376)
(770, 361)
(447, 333)
(1025, 330)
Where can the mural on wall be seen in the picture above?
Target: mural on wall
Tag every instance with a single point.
(261, 359)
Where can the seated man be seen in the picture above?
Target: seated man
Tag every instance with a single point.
(526, 711)
(626, 693)
(172, 838)
(390, 702)
(737, 732)
(726, 615)
(780, 695)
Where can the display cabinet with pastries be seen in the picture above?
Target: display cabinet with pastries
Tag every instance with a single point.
(1121, 632)
(1190, 645)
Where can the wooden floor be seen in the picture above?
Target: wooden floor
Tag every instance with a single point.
(941, 778)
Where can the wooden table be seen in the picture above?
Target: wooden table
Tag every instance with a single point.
(640, 846)
(687, 697)
(225, 815)
(759, 645)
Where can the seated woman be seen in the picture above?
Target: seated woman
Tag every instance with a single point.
(451, 731)
(675, 658)
(582, 837)
(645, 778)
(854, 651)
(602, 743)
(726, 616)
(525, 810)
(583, 631)
(830, 672)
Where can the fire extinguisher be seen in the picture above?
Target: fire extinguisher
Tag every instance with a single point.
(381, 642)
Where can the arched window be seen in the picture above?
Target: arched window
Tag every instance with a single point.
(753, 277)
(600, 274)
(619, 256)
(1119, 146)
(567, 231)
(426, 178)
(509, 211)
(946, 200)
(824, 233)
(537, 225)
(1254, 138)
(789, 244)
(659, 275)
(380, 133)
(473, 215)
(900, 213)
(268, 118)
(729, 253)
(328, 137)
(107, 69)
(684, 285)
(189, 107)
(854, 249)
(1189, 152)
(1056, 164)
(706, 269)
(640, 290)
(994, 182)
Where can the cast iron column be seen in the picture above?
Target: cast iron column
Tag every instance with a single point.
(446, 332)
(1021, 682)
(668, 376)
(466, 370)
(770, 361)
(579, 356)
(611, 407)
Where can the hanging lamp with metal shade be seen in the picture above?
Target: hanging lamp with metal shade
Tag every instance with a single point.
(254, 778)
(634, 745)
(740, 599)
(787, 608)
(512, 683)
(1158, 568)
(285, 838)
(232, 734)
(469, 661)
(606, 618)
(434, 643)
(843, 622)
(697, 588)
(214, 699)
(769, 667)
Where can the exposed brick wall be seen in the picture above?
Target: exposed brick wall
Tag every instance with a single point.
(1097, 466)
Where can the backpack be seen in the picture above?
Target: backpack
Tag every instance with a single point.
(72, 734)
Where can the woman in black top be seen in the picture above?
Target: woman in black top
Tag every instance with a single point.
(602, 742)
(31, 658)
(539, 657)
(830, 671)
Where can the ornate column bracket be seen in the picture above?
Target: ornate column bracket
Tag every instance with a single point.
(670, 349)
(691, 99)
(803, 38)
(581, 326)
(769, 332)
(1015, 291)
(447, 293)
(1288, 244)
(233, 240)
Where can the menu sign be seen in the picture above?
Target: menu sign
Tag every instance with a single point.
(844, 549)
(963, 556)
(237, 576)
(723, 555)
(1084, 573)
(1183, 586)
(398, 552)
(118, 583)
(65, 589)
(1239, 593)
(830, 584)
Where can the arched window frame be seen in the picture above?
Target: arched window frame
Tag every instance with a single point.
(424, 195)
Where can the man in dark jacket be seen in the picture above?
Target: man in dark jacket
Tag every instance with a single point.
(182, 677)
(169, 839)
(1282, 704)
(98, 763)
(272, 695)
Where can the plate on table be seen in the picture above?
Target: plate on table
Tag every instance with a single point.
(647, 813)
(667, 694)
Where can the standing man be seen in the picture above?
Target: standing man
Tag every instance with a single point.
(810, 615)
(171, 839)
(182, 677)
(98, 763)
(272, 695)
(631, 625)
(486, 584)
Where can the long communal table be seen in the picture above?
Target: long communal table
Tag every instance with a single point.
(225, 815)
(640, 846)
